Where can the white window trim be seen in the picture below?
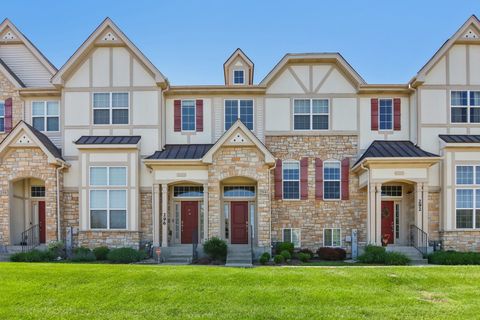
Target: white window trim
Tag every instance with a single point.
(325, 180)
(192, 197)
(37, 186)
(110, 108)
(107, 209)
(299, 182)
(392, 117)
(332, 246)
(45, 116)
(238, 112)
(291, 233)
(233, 77)
(2, 118)
(194, 115)
(108, 176)
(311, 114)
(392, 197)
(468, 106)
(474, 187)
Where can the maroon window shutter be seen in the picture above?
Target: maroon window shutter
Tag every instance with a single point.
(8, 114)
(199, 115)
(374, 114)
(278, 179)
(177, 115)
(318, 179)
(345, 178)
(396, 114)
(304, 178)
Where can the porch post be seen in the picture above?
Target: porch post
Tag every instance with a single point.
(205, 212)
(419, 204)
(425, 207)
(156, 215)
(371, 215)
(378, 213)
(164, 215)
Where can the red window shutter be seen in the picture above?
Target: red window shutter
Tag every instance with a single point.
(278, 179)
(8, 114)
(318, 179)
(304, 178)
(397, 114)
(177, 115)
(199, 115)
(374, 114)
(345, 178)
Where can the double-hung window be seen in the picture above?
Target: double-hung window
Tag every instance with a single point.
(2, 116)
(310, 114)
(108, 198)
(292, 235)
(291, 180)
(46, 115)
(188, 115)
(332, 237)
(238, 77)
(385, 114)
(331, 180)
(239, 109)
(467, 195)
(465, 106)
(110, 108)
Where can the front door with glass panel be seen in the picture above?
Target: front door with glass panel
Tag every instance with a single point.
(239, 219)
(189, 221)
(387, 211)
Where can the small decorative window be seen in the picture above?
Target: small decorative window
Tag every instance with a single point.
(239, 109)
(391, 191)
(110, 108)
(2, 116)
(331, 180)
(37, 191)
(239, 191)
(292, 235)
(187, 191)
(46, 115)
(332, 237)
(291, 179)
(310, 114)
(385, 114)
(238, 77)
(465, 106)
(188, 115)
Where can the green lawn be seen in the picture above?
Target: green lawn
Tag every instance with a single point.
(96, 291)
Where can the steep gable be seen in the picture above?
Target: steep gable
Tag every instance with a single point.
(238, 60)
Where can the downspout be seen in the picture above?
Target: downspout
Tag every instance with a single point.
(59, 228)
(270, 195)
(368, 196)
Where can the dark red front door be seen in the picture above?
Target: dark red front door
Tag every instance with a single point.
(388, 214)
(189, 220)
(41, 220)
(239, 222)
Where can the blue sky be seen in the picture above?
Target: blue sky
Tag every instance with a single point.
(188, 41)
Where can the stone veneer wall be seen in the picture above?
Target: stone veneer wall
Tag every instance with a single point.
(70, 214)
(434, 215)
(8, 90)
(312, 215)
(146, 223)
(111, 239)
(468, 240)
(23, 163)
(239, 162)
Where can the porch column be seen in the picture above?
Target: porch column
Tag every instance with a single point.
(421, 206)
(371, 215)
(164, 215)
(205, 212)
(425, 207)
(156, 215)
(378, 214)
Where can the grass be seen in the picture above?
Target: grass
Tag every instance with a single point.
(95, 291)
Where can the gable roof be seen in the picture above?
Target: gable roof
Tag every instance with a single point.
(471, 23)
(181, 152)
(238, 53)
(89, 43)
(334, 57)
(11, 75)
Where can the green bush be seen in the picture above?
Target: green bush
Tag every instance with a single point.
(286, 255)
(307, 251)
(282, 246)
(331, 254)
(82, 254)
(278, 259)
(396, 259)
(454, 258)
(101, 253)
(264, 258)
(216, 248)
(125, 255)
(31, 256)
(372, 254)
(304, 257)
(57, 249)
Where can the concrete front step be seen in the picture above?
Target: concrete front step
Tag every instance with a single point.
(239, 256)
(412, 253)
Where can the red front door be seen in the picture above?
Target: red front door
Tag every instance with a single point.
(388, 214)
(189, 221)
(239, 222)
(41, 221)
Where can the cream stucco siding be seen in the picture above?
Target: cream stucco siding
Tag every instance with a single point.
(77, 109)
(121, 67)
(434, 106)
(457, 65)
(344, 114)
(277, 114)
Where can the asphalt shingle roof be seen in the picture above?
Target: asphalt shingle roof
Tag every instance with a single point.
(56, 152)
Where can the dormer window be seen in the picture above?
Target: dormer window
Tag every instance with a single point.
(238, 77)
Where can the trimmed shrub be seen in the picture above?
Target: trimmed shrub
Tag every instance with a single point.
(82, 254)
(216, 248)
(31, 256)
(282, 246)
(454, 258)
(278, 259)
(372, 254)
(264, 258)
(125, 255)
(331, 254)
(396, 259)
(57, 250)
(304, 257)
(286, 255)
(101, 253)
(307, 251)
